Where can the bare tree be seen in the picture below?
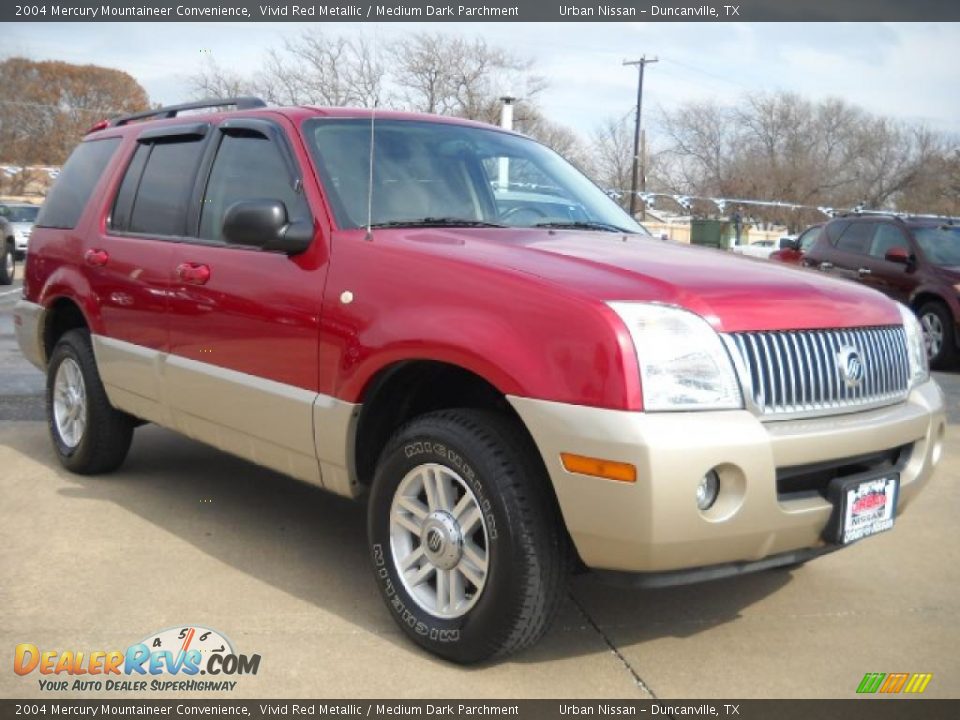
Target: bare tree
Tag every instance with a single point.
(214, 81)
(782, 147)
(612, 143)
(455, 76)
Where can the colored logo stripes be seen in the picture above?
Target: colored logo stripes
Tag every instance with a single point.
(894, 682)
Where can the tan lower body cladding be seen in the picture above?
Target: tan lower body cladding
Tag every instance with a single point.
(288, 429)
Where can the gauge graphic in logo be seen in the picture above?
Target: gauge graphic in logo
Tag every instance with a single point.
(191, 637)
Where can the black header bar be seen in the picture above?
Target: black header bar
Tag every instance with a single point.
(479, 11)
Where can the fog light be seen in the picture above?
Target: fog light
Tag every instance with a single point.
(707, 490)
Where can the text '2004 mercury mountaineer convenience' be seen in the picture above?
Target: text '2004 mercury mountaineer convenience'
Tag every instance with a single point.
(464, 331)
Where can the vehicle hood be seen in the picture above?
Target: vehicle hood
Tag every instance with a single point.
(24, 227)
(734, 293)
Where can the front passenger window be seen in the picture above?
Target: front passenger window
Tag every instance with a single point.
(248, 166)
(887, 238)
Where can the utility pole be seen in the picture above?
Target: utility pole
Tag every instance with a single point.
(641, 64)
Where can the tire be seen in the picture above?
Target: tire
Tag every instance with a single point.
(499, 486)
(8, 264)
(88, 434)
(939, 332)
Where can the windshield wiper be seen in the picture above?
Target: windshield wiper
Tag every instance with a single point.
(437, 222)
(583, 225)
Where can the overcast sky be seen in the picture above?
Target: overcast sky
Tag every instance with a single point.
(907, 70)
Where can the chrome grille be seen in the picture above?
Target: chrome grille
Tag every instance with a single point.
(796, 373)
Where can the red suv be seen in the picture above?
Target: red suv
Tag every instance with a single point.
(449, 322)
(914, 260)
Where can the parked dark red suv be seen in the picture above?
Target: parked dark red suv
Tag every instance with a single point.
(915, 260)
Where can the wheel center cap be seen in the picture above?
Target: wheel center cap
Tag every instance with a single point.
(442, 540)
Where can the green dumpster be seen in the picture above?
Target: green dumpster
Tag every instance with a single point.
(712, 233)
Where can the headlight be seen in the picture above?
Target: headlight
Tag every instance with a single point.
(683, 363)
(916, 349)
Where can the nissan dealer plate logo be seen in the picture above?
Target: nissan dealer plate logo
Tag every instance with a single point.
(851, 366)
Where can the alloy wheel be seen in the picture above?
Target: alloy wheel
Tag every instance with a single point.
(70, 403)
(438, 540)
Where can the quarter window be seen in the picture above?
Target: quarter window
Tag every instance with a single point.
(79, 177)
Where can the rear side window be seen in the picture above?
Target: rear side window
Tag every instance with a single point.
(856, 238)
(78, 178)
(163, 192)
(835, 229)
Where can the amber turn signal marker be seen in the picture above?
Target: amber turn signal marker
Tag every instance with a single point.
(608, 469)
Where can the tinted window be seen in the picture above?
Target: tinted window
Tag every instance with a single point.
(940, 245)
(78, 178)
(120, 215)
(809, 237)
(856, 238)
(163, 194)
(835, 230)
(247, 167)
(886, 238)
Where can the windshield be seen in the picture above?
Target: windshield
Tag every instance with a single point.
(20, 214)
(427, 173)
(940, 245)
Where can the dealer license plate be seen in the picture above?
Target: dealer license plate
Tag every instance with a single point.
(868, 507)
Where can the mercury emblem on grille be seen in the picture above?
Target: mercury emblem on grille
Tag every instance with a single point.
(850, 364)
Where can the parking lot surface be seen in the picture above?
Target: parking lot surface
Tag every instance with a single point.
(185, 535)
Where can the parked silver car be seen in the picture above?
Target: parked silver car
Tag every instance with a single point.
(21, 217)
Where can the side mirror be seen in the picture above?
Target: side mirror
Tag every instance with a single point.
(264, 224)
(897, 255)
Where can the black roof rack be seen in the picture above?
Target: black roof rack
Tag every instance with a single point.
(170, 111)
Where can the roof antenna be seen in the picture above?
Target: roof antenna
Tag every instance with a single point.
(373, 114)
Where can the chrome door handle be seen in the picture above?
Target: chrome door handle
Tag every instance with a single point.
(863, 271)
(826, 266)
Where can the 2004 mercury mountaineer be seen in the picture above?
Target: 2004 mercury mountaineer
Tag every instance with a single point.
(459, 327)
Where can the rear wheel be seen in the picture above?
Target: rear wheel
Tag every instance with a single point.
(464, 537)
(88, 434)
(8, 264)
(938, 335)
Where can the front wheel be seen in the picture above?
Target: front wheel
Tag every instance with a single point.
(465, 536)
(938, 335)
(8, 265)
(88, 434)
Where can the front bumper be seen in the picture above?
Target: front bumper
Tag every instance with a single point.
(654, 526)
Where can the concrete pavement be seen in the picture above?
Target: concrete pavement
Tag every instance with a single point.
(184, 534)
